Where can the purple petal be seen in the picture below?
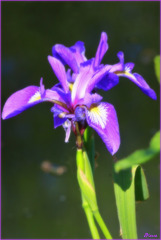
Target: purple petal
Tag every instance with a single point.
(103, 119)
(101, 50)
(81, 82)
(90, 99)
(28, 97)
(58, 121)
(59, 71)
(66, 56)
(118, 66)
(67, 128)
(79, 52)
(58, 114)
(63, 97)
(96, 78)
(42, 88)
(129, 67)
(120, 55)
(20, 101)
(140, 82)
(87, 80)
(108, 81)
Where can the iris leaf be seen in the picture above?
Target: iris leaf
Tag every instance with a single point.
(141, 187)
(157, 67)
(124, 187)
(140, 156)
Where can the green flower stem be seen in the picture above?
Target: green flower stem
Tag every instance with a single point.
(90, 219)
(89, 146)
(102, 224)
(85, 205)
(86, 183)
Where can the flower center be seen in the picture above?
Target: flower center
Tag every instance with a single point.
(80, 114)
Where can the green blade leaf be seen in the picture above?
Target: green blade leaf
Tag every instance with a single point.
(140, 156)
(155, 142)
(141, 187)
(157, 67)
(125, 202)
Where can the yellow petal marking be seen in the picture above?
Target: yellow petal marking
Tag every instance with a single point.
(71, 86)
(98, 114)
(35, 97)
(119, 73)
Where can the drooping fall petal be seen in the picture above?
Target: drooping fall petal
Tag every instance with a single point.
(103, 119)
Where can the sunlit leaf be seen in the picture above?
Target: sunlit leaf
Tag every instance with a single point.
(125, 201)
(155, 142)
(157, 67)
(140, 156)
(141, 187)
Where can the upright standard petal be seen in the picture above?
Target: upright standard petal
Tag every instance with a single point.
(81, 82)
(72, 56)
(101, 50)
(88, 79)
(59, 71)
(103, 118)
(79, 52)
(66, 56)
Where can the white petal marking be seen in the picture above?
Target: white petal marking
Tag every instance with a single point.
(98, 114)
(35, 97)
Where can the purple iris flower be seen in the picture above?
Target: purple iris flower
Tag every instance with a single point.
(74, 97)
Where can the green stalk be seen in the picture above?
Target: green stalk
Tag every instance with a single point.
(102, 224)
(89, 146)
(85, 166)
(90, 219)
(85, 204)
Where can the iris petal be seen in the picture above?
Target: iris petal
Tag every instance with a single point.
(20, 101)
(79, 52)
(59, 71)
(90, 99)
(58, 121)
(65, 55)
(140, 82)
(26, 98)
(101, 50)
(108, 81)
(81, 82)
(103, 118)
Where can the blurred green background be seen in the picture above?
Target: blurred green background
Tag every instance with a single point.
(34, 203)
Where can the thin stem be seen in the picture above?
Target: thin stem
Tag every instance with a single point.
(85, 204)
(90, 219)
(79, 141)
(102, 225)
(89, 146)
